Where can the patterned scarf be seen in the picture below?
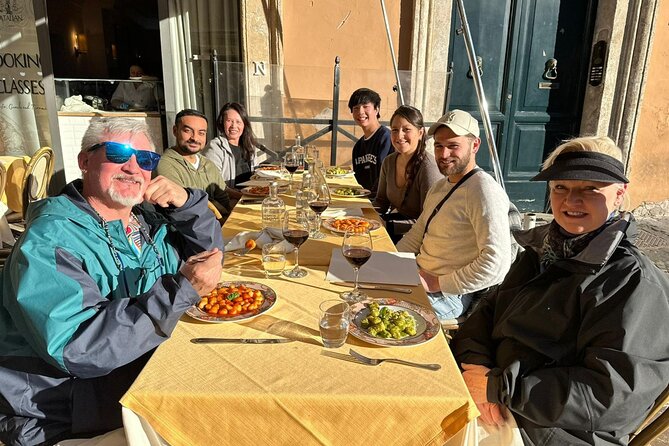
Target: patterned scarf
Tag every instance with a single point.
(132, 231)
(558, 244)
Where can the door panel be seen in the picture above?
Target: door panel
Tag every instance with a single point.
(531, 111)
(490, 20)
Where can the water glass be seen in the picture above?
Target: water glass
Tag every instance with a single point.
(314, 221)
(335, 317)
(273, 259)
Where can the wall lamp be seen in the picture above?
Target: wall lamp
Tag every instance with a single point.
(80, 44)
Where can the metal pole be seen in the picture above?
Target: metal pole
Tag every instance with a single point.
(478, 84)
(335, 114)
(215, 89)
(392, 52)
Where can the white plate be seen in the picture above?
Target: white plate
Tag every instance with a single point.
(327, 224)
(268, 293)
(254, 191)
(427, 324)
(358, 192)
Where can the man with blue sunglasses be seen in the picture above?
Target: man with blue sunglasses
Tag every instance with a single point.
(100, 278)
(184, 165)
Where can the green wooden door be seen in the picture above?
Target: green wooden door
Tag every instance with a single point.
(532, 106)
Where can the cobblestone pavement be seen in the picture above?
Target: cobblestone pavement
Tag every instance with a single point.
(653, 240)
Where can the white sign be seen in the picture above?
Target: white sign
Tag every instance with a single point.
(24, 124)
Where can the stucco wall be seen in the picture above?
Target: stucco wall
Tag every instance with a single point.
(649, 161)
(314, 32)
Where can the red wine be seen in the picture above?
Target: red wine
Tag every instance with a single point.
(296, 236)
(291, 168)
(357, 256)
(319, 206)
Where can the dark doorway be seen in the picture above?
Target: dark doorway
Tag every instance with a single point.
(533, 59)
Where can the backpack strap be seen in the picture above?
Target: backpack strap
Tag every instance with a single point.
(450, 192)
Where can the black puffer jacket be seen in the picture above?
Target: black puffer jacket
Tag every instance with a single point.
(580, 351)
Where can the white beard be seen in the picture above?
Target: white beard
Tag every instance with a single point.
(125, 200)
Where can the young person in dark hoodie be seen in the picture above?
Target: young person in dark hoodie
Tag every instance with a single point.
(370, 150)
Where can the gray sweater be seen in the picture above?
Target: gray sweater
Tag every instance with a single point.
(220, 153)
(408, 202)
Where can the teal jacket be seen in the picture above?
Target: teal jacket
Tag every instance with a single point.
(74, 327)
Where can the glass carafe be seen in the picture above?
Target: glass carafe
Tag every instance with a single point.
(273, 208)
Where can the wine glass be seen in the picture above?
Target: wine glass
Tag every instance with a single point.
(295, 230)
(319, 200)
(291, 162)
(357, 249)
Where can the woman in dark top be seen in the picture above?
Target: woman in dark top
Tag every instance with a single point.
(571, 345)
(407, 174)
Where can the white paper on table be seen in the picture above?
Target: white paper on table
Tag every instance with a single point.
(340, 212)
(391, 268)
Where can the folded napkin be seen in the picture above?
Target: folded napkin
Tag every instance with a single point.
(340, 212)
(270, 173)
(261, 237)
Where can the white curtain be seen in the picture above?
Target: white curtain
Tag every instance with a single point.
(197, 27)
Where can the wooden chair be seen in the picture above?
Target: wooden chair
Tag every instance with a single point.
(35, 183)
(37, 177)
(3, 179)
(654, 425)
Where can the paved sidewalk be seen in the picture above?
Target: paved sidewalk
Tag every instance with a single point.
(653, 240)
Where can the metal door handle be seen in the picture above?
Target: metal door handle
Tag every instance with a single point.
(550, 70)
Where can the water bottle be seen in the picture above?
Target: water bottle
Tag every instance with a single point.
(299, 150)
(272, 208)
(302, 195)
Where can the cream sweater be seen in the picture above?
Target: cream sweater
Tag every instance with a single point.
(468, 242)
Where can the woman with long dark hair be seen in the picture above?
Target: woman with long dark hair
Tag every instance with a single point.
(235, 151)
(407, 174)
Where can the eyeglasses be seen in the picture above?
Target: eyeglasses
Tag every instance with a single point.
(120, 153)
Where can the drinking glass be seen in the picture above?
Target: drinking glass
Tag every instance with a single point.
(335, 317)
(273, 259)
(295, 230)
(291, 162)
(357, 249)
(319, 200)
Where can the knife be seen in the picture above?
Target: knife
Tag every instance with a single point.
(365, 286)
(251, 200)
(239, 341)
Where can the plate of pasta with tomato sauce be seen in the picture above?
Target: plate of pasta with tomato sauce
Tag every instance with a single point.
(233, 302)
(340, 225)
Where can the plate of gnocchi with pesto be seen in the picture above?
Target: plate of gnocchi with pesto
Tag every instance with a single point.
(393, 322)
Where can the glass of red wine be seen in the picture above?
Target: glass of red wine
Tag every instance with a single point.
(295, 229)
(357, 249)
(319, 200)
(291, 162)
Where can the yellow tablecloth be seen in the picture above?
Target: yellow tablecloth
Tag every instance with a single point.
(296, 393)
(16, 168)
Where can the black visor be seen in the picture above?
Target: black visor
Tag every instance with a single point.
(590, 166)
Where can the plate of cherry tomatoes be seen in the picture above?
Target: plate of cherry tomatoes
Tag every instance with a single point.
(234, 302)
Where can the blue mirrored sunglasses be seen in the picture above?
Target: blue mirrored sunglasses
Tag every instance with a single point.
(120, 153)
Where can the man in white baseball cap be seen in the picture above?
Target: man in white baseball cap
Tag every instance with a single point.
(462, 238)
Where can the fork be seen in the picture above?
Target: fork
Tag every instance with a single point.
(372, 361)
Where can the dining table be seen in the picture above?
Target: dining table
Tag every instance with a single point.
(296, 392)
